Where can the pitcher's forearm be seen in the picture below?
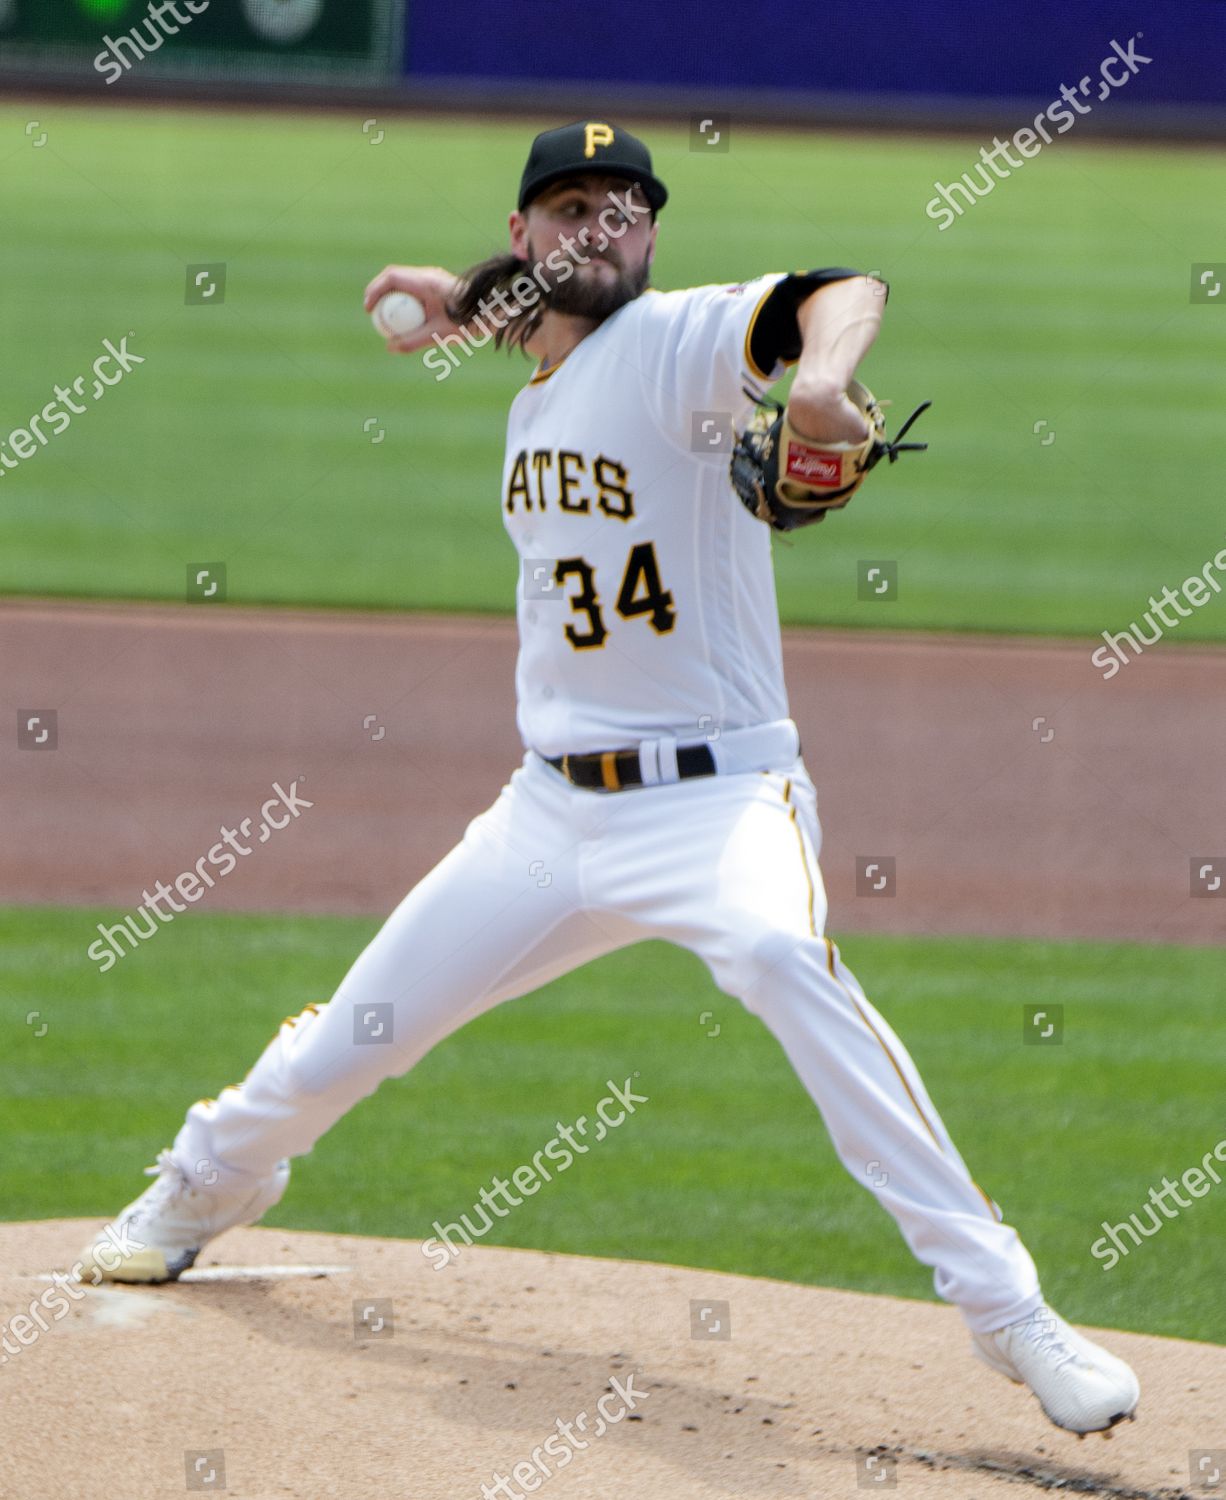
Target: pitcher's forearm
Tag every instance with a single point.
(838, 325)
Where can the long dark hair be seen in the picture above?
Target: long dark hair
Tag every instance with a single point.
(471, 300)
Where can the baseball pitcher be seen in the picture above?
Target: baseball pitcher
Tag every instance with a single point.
(662, 786)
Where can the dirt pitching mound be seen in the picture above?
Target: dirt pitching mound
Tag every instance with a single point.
(318, 1365)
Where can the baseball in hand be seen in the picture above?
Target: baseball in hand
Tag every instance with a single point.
(397, 313)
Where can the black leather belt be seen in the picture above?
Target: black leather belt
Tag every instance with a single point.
(611, 770)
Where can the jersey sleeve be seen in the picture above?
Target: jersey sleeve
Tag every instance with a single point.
(701, 347)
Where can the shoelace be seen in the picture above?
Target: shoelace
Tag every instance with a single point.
(167, 1170)
(1043, 1332)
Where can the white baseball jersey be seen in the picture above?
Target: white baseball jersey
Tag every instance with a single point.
(646, 597)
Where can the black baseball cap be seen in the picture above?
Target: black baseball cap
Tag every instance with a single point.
(589, 146)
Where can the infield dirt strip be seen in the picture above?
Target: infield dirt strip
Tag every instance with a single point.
(1015, 792)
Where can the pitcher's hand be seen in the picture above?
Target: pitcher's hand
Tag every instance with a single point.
(432, 286)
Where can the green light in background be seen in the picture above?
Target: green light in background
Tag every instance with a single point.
(105, 10)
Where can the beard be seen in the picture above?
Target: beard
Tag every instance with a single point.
(595, 297)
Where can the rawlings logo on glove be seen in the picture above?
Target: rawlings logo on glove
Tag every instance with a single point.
(789, 481)
(812, 465)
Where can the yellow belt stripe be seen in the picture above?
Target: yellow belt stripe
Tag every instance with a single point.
(608, 771)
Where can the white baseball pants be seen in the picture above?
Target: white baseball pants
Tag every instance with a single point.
(552, 876)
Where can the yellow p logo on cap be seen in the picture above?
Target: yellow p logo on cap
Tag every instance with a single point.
(594, 135)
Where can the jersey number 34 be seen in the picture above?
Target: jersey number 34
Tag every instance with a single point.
(641, 593)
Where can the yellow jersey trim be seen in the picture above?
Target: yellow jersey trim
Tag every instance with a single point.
(750, 362)
(541, 373)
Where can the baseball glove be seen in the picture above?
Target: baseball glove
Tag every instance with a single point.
(789, 481)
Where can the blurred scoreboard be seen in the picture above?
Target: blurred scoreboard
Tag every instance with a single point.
(314, 42)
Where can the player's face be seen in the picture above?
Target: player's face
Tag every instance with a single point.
(596, 238)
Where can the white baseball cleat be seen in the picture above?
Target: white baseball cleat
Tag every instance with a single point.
(158, 1237)
(1078, 1384)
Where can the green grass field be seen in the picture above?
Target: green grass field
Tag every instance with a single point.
(1063, 299)
(246, 437)
(726, 1165)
